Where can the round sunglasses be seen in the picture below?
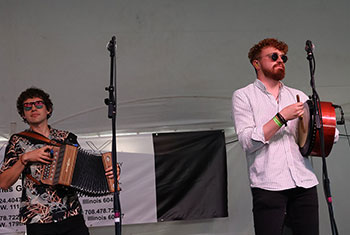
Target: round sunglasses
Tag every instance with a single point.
(274, 57)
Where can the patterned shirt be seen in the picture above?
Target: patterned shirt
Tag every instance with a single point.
(276, 164)
(41, 203)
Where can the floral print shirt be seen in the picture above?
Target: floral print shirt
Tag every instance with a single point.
(41, 203)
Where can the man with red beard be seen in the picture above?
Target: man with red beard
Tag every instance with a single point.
(265, 115)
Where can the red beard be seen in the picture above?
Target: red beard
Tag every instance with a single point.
(275, 73)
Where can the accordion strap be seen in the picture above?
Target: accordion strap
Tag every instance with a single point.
(41, 138)
(29, 176)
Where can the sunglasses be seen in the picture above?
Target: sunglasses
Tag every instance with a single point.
(38, 104)
(274, 57)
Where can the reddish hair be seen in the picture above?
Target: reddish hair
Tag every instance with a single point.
(255, 51)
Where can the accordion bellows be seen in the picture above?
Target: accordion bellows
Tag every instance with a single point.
(79, 169)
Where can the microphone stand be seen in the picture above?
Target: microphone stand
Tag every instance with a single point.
(112, 107)
(319, 125)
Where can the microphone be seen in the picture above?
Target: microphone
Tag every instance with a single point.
(112, 44)
(309, 47)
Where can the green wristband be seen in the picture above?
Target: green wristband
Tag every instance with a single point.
(277, 121)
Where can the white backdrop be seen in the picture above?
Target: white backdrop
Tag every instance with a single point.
(138, 195)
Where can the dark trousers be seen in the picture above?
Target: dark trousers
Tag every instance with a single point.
(297, 208)
(72, 226)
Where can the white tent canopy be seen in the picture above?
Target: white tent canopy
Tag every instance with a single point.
(178, 63)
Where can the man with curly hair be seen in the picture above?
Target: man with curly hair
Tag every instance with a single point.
(44, 209)
(265, 115)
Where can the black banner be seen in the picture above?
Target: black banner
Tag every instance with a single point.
(191, 175)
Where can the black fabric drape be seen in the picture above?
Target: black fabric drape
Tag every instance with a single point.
(191, 175)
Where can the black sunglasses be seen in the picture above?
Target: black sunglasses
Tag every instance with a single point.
(274, 57)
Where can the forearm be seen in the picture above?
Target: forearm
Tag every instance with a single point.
(270, 129)
(11, 175)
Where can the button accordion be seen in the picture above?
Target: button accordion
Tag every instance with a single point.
(74, 167)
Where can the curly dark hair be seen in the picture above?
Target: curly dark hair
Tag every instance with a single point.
(30, 93)
(255, 51)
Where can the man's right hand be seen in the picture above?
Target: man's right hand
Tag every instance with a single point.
(293, 111)
(42, 155)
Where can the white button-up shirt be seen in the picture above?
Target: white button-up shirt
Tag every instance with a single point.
(276, 164)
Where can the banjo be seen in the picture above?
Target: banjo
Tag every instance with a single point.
(309, 137)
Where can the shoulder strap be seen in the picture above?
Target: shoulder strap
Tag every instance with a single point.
(32, 179)
(39, 137)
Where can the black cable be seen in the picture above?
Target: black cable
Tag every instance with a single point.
(231, 142)
(346, 133)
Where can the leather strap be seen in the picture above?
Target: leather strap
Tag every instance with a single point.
(29, 176)
(39, 137)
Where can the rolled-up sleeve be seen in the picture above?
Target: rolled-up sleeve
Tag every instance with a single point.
(250, 136)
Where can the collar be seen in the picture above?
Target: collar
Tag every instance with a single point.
(259, 84)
